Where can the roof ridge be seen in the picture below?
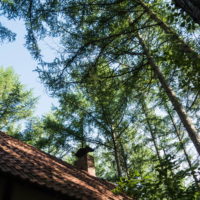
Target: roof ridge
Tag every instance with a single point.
(58, 159)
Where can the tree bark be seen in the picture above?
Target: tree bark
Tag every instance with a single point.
(192, 131)
(191, 7)
(116, 156)
(124, 159)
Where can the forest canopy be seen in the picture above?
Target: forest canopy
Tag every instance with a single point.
(127, 77)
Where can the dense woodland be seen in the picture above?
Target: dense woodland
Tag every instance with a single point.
(127, 78)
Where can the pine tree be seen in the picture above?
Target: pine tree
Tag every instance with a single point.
(16, 103)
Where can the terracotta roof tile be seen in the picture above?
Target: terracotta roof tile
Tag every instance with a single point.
(29, 163)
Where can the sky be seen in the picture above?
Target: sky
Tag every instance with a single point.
(16, 55)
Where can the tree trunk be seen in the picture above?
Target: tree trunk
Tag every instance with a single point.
(124, 159)
(192, 132)
(191, 7)
(116, 156)
(151, 132)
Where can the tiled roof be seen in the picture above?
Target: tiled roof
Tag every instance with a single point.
(31, 164)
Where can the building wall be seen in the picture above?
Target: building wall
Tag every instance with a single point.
(2, 182)
(12, 188)
(25, 192)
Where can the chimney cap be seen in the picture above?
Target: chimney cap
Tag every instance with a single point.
(82, 151)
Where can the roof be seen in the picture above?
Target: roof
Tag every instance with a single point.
(29, 163)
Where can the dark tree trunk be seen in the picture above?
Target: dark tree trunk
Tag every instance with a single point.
(191, 7)
(124, 159)
(116, 155)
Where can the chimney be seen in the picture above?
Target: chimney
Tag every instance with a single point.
(85, 161)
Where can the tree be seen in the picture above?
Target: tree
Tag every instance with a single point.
(192, 131)
(162, 184)
(191, 7)
(16, 103)
(98, 107)
(109, 30)
(163, 178)
(118, 62)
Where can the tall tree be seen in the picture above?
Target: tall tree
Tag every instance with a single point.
(192, 131)
(109, 30)
(114, 54)
(102, 107)
(16, 103)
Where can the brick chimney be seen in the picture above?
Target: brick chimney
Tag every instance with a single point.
(85, 161)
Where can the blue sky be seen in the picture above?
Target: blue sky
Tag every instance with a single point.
(14, 54)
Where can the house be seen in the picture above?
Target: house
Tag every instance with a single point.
(27, 173)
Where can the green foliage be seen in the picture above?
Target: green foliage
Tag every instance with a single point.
(16, 103)
(160, 183)
(47, 134)
(6, 34)
(109, 92)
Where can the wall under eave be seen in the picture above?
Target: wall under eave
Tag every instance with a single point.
(12, 188)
